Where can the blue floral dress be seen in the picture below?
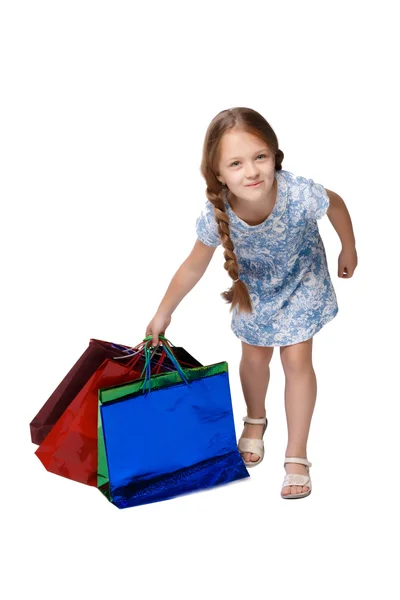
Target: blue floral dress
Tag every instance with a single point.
(283, 263)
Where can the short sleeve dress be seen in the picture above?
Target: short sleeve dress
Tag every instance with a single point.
(283, 263)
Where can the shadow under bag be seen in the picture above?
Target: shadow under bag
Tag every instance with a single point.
(167, 435)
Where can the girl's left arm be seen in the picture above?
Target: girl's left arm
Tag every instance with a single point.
(340, 218)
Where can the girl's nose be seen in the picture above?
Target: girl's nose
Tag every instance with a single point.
(252, 172)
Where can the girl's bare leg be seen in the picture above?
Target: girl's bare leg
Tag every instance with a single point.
(254, 376)
(300, 398)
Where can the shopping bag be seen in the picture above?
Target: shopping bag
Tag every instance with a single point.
(70, 449)
(83, 369)
(167, 435)
(77, 377)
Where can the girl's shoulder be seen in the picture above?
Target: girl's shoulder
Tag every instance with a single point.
(206, 225)
(305, 195)
(295, 181)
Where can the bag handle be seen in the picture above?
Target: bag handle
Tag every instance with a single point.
(135, 354)
(132, 351)
(138, 350)
(163, 354)
(139, 355)
(156, 366)
(170, 355)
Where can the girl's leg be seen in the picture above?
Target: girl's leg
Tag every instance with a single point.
(300, 397)
(254, 376)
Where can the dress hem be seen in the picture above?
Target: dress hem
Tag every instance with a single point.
(316, 330)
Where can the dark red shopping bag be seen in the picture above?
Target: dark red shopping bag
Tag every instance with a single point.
(73, 382)
(70, 449)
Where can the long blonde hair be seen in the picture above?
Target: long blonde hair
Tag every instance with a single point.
(250, 121)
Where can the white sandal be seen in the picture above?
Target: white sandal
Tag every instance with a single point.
(296, 479)
(254, 446)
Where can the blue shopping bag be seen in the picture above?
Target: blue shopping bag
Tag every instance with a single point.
(168, 434)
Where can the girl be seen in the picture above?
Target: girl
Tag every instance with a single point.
(282, 295)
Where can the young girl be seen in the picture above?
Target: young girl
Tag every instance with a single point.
(282, 294)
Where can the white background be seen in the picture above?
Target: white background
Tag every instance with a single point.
(104, 108)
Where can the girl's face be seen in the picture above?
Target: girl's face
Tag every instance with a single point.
(246, 159)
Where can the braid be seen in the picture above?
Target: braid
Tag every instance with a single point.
(238, 294)
(278, 160)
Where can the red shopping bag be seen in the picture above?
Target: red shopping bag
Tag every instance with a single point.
(70, 449)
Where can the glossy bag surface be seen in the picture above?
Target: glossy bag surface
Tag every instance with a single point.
(70, 449)
(167, 435)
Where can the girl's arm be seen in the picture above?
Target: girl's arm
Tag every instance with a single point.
(186, 277)
(340, 218)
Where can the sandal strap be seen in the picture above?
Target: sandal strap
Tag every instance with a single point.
(296, 479)
(299, 461)
(262, 421)
(249, 445)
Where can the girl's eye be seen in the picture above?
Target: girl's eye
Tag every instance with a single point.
(236, 161)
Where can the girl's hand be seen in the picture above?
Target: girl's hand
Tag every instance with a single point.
(157, 325)
(347, 262)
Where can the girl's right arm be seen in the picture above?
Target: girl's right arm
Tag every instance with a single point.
(186, 277)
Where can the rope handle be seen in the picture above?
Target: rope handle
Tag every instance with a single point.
(171, 356)
(146, 342)
(136, 354)
(140, 349)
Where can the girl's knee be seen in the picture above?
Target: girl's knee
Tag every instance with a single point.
(297, 359)
(257, 354)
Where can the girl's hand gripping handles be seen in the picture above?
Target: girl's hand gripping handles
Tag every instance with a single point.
(157, 326)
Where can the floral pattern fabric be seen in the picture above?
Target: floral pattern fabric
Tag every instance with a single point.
(283, 263)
